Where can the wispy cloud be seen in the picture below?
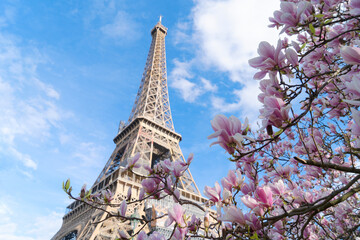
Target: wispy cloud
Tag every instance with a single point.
(243, 99)
(47, 89)
(182, 80)
(44, 227)
(8, 227)
(89, 154)
(112, 20)
(122, 27)
(84, 162)
(41, 228)
(24, 158)
(224, 35)
(28, 108)
(7, 15)
(228, 32)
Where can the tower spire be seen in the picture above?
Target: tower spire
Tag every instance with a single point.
(152, 100)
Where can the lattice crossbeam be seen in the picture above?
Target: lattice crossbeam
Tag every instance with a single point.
(152, 100)
(151, 133)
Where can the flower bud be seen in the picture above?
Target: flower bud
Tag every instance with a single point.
(83, 191)
(128, 196)
(206, 220)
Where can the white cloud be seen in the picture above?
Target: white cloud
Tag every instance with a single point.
(245, 101)
(65, 138)
(181, 34)
(225, 35)
(208, 86)
(41, 228)
(49, 90)
(45, 227)
(24, 158)
(86, 158)
(7, 226)
(188, 90)
(8, 16)
(89, 153)
(228, 32)
(122, 27)
(180, 80)
(29, 118)
(28, 111)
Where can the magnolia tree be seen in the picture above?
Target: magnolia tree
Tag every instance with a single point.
(297, 177)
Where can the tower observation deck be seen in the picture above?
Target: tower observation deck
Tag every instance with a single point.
(150, 132)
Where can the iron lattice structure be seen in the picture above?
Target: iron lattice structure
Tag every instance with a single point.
(152, 100)
(150, 132)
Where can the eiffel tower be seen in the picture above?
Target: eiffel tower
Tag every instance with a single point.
(150, 132)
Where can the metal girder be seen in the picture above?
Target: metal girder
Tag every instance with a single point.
(152, 100)
(151, 133)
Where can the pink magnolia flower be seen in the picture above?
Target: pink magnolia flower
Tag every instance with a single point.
(213, 193)
(281, 171)
(269, 60)
(133, 162)
(274, 112)
(355, 127)
(264, 196)
(107, 195)
(190, 158)
(169, 183)
(176, 195)
(291, 14)
(296, 46)
(141, 194)
(165, 166)
(253, 221)
(86, 194)
(148, 169)
(351, 55)
(250, 202)
(178, 169)
(278, 187)
(247, 188)
(156, 236)
(228, 131)
(128, 195)
(233, 214)
(353, 88)
(227, 196)
(149, 185)
(355, 5)
(253, 204)
(179, 234)
(270, 87)
(122, 209)
(123, 235)
(175, 215)
(194, 223)
(153, 236)
(142, 236)
(234, 179)
(292, 57)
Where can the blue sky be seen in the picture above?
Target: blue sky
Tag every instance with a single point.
(70, 70)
